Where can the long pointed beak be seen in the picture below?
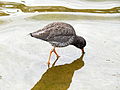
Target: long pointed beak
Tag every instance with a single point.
(83, 52)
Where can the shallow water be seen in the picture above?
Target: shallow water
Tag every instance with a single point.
(23, 59)
(1, 21)
(14, 7)
(68, 16)
(59, 77)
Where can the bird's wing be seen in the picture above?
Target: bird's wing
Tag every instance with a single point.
(61, 39)
(60, 34)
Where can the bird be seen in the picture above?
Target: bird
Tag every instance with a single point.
(59, 34)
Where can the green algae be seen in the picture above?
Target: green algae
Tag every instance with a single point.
(65, 9)
(25, 8)
(3, 13)
(11, 5)
(71, 17)
(54, 17)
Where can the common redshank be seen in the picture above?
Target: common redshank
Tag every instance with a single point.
(59, 34)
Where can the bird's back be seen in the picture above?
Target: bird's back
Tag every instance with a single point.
(55, 32)
(59, 28)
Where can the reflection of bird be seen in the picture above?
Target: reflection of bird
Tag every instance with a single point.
(59, 34)
(59, 77)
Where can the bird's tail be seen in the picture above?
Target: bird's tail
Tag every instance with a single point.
(34, 34)
(39, 35)
(30, 34)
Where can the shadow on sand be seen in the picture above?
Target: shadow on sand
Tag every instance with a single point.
(59, 77)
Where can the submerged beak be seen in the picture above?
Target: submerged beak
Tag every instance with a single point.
(83, 52)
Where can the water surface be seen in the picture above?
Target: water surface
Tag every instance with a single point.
(23, 59)
(59, 77)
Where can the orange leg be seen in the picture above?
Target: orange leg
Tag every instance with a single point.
(53, 50)
(56, 53)
(50, 57)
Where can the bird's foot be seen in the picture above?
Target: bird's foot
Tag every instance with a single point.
(48, 64)
(58, 57)
(55, 61)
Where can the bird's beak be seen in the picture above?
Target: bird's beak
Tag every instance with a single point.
(83, 52)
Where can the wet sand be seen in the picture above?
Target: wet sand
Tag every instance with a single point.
(23, 59)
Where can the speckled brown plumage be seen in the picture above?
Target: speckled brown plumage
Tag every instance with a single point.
(59, 34)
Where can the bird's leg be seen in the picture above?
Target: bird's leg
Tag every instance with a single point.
(53, 50)
(56, 53)
(50, 56)
(83, 52)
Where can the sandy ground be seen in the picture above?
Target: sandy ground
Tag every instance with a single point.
(23, 58)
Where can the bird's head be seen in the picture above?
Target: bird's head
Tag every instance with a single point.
(79, 42)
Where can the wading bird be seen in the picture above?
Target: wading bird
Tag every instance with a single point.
(59, 34)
